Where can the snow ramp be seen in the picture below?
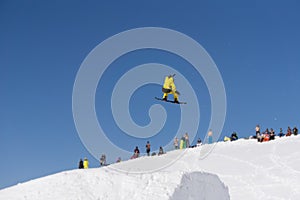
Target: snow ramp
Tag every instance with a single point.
(198, 185)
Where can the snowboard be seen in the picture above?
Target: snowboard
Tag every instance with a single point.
(160, 99)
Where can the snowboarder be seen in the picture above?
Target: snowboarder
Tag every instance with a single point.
(170, 88)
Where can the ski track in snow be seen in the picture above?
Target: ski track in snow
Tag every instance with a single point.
(244, 169)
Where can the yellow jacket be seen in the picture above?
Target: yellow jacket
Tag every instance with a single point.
(85, 164)
(169, 83)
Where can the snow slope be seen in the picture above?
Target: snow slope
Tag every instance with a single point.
(243, 169)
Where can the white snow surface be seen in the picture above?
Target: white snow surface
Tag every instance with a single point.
(244, 169)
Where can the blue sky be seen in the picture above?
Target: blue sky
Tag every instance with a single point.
(43, 44)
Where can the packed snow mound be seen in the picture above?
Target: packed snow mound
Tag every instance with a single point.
(102, 184)
(197, 185)
(244, 169)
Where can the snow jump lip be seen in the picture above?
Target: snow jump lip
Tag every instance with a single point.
(200, 185)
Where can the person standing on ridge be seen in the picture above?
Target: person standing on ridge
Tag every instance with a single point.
(103, 160)
(210, 138)
(187, 141)
(182, 142)
(148, 148)
(80, 164)
(176, 143)
(257, 132)
(85, 163)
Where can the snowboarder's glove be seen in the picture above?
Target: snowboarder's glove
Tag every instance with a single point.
(177, 92)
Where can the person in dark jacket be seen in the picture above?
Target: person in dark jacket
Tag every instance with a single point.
(80, 164)
(199, 142)
(136, 153)
(257, 132)
(148, 148)
(295, 131)
(136, 150)
(234, 136)
(103, 160)
(272, 134)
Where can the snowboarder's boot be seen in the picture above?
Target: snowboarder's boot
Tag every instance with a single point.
(176, 100)
(165, 98)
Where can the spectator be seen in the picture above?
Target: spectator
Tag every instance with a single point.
(258, 135)
(103, 160)
(272, 134)
(295, 131)
(161, 151)
(118, 160)
(281, 133)
(148, 148)
(210, 139)
(136, 153)
(187, 141)
(226, 139)
(136, 150)
(234, 136)
(182, 142)
(257, 131)
(288, 132)
(199, 142)
(266, 135)
(80, 164)
(85, 163)
(176, 143)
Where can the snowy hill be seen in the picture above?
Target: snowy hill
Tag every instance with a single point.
(243, 169)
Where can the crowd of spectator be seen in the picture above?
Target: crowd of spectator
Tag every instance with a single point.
(267, 135)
